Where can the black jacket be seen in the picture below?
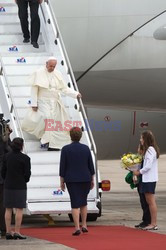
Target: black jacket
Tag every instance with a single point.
(16, 170)
(4, 148)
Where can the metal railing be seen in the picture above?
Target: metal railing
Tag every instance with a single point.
(58, 35)
(70, 71)
(12, 109)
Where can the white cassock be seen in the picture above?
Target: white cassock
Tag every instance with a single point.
(46, 95)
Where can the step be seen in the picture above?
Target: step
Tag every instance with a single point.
(44, 169)
(15, 38)
(56, 207)
(44, 182)
(17, 81)
(14, 68)
(22, 102)
(3, 2)
(32, 145)
(22, 113)
(24, 69)
(9, 8)
(9, 27)
(21, 48)
(37, 54)
(21, 92)
(74, 117)
(48, 193)
(28, 136)
(26, 60)
(9, 17)
(32, 138)
(25, 91)
(45, 157)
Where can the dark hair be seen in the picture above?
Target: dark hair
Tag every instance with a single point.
(17, 144)
(75, 133)
(149, 140)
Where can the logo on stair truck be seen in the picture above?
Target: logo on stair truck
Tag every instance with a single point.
(57, 192)
(14, 48)
(21, 60)
(2, 9)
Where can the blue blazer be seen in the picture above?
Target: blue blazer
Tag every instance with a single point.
(76, 163)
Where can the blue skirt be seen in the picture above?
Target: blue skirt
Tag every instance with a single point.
(147, 187)
(78, 192)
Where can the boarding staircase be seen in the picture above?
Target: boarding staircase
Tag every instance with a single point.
(18, 61)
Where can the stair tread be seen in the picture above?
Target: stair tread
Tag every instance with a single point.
(5, 23)
(43, 161)
(5, 54)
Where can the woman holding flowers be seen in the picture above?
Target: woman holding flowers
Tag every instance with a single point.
(146, 219)
(149, 174)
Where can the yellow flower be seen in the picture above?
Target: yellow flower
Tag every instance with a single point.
(129, 160)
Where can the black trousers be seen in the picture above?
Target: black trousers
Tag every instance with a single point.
(35, 20)
(2, 210)
(146, 218)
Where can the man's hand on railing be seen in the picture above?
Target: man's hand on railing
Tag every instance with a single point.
(40, 1)
(79, 96)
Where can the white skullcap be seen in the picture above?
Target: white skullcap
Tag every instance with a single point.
(51, 58)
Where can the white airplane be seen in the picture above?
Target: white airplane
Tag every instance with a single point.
(126, 85)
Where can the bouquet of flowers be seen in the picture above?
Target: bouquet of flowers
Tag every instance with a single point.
(131, 161)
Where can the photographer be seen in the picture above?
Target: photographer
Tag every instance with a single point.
(5, 132)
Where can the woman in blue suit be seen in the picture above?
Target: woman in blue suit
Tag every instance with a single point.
(77, 172)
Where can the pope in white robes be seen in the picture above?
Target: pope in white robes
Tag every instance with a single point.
(47, 85)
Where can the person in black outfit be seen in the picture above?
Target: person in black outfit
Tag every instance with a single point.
(35, 20)
(16, 171)
(146, 218)
(77, 172)
(2, 209)
(4, 148)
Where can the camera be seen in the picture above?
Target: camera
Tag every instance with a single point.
(3, 125)
(1, 116)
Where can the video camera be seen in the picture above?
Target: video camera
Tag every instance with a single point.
(3, 125)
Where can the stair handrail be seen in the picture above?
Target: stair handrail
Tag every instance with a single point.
(116, 45)
(58, 35)
(13, 108)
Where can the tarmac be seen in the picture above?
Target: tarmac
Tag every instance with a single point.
(120, 206)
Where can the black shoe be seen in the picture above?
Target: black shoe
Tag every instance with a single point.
(53, 149)
(141, 225)
(76, 233)
(26, 40)
(9, 236)
(84, 230)
(3, 233)
(19, 236)
(45, 145)
(35, 45)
